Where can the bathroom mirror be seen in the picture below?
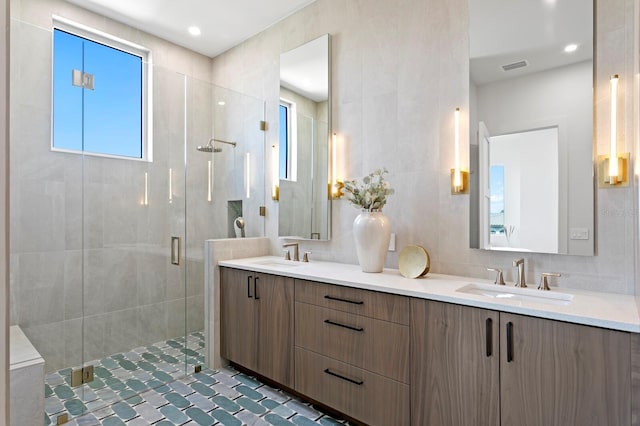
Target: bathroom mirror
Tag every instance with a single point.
(304, 124)
(531, 126)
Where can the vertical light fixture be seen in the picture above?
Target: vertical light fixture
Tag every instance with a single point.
(170, 185)
(275, 191)
(247, 174)
(613, 167)
(459, 178)
(209, 180)
(335, 187)
(145, 200)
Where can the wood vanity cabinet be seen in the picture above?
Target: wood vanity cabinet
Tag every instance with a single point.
(545, 372)
(256, 322)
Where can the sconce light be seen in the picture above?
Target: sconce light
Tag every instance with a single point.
(145, 197)
(613, 168)
(170, 186)
(459, 178)
(335, 185)
(209, 180)
(247, 174)
(275, 177)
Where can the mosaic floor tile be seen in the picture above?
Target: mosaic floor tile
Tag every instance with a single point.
(143, 387)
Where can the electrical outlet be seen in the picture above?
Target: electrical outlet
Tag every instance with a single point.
(579, 233)
(392, 242)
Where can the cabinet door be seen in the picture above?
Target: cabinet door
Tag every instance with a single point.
(274, 323)
(454, 365)
(237, 317)
(555, 373)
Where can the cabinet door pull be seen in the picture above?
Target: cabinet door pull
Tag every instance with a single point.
(509, 341)
(489, 336)
(340, 376)
(338, 299)
(255, 288)
(249, 286)
(327, 321)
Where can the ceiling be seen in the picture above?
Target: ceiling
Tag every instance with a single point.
(223, 24)
(503, 32)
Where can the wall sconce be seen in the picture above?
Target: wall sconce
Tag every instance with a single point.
(145, 197)
(247, 174)
(275, 176)
(209, 180)
(335, 185)
(613, 168)
(459, 178)
(170, 186)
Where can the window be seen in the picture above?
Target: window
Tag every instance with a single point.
(288, 140)
(496, 185)
(101, 89)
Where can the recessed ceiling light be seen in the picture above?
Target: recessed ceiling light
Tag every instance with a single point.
(221, 103)
(194, 31)
(571, 48)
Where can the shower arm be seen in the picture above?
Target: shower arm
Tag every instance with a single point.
(221, 141)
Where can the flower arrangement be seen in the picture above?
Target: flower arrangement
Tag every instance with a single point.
(372, 193)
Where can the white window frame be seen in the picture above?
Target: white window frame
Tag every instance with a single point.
(292, 131)
(109, 40)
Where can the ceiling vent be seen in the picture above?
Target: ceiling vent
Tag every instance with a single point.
(515, 65)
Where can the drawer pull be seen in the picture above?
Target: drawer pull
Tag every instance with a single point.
(255, 288)
(338, 299)
(489, 336)
(509, 341)
(340, 376)
(343, 325)
(249, 286)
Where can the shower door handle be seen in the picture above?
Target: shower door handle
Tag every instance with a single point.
(175, 250)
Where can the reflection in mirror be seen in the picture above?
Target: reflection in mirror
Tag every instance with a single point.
(531, 126)
(303, 141)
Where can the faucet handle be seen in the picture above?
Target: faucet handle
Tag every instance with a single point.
(499, 277)
(287, 255)
(544, 284)
(305, 257)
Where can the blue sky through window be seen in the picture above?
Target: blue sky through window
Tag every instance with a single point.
(108, 119)
(284, 141)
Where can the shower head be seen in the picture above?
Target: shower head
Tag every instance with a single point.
(210, 148)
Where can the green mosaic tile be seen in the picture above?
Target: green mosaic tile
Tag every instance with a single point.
(205, 378)
(226, 404)
(47, 420)
(270, 403)
(47, 391)
(127, 365)
(189, 352)
(109, 363)
(328, 421)
(249, 381)
(119, 357)
(200, 416)
(112, 421)
(162, 376)
(63, 392)
(96, 383)
(247, 391)
(203, 389)
(150, 357)
(276, 420)
(164, 423)
(136, 385)
(250, 405)
(131, 397)
(75, 407)
(102, 372)
(225, 418)
(174, 344)
(169, 359)
(153, 348)
(146, 366)
(303, 421)
(158, 386)
(177, 400)
(115, 384)
(124, 410)
(65, 371)
(174, 415)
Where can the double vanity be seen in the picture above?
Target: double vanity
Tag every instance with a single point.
(386, 350)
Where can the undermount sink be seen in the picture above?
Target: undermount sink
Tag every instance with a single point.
(276, 262)
(501, 292)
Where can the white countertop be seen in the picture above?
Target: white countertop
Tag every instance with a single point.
(614, 311)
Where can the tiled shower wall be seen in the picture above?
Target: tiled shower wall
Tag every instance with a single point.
(90, 273)
(400, 68)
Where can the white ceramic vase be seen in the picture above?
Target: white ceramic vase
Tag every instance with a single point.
(372, 231)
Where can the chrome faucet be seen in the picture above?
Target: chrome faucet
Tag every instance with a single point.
(520, 281)
(296, 253)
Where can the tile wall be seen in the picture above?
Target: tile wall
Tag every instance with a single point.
(400, 67)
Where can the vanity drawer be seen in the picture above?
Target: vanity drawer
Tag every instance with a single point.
(378, 346)
(365, 396)
(383, 306)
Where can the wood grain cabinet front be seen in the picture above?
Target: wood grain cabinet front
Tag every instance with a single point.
(256, 322)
